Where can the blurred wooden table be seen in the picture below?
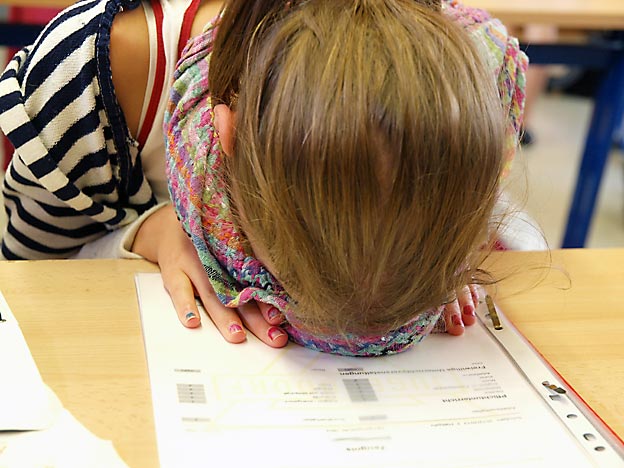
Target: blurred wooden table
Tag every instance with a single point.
(81, 321)
(582, 14)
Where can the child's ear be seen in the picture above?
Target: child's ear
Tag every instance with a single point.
(224, 124)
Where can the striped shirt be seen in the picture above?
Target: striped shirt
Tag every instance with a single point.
(77, 173)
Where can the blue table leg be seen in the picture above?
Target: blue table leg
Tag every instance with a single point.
(608, 111)
(619, 135)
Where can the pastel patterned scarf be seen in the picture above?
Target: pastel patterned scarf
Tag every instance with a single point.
(199, 193)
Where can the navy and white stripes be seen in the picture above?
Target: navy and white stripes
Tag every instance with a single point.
(75, 174)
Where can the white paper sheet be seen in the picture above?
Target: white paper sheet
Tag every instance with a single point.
(25, 403)
(66, 444)
(447, 402)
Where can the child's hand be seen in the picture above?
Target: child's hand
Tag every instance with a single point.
(162, 240)
(461, 312)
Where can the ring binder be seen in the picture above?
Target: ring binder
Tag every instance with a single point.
(492, 313)
(553, 387)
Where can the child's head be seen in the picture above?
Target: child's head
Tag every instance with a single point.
(367, 153)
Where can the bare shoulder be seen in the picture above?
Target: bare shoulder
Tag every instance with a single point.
(207, 10)
(129, 56)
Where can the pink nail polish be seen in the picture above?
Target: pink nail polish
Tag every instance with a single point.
(457, 321)
(274, 333)
(273, 313)
(475, 297)
(469, 310)
(235, 328)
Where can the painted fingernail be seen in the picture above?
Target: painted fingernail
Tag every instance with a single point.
(469, 310)
(274, 333)
(273, 313)
(235, 328)
(190, 316)
(457, 321)
(475, 297)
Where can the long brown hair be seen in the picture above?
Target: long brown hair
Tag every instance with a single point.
(369, 139)
(239, 21)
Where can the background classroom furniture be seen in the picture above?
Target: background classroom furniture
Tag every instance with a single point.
(23, 19)
(22, 24)
(580, 14)
(609, 98)
(81, 321)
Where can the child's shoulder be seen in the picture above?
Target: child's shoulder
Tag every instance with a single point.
(206, 14)
(129, 62)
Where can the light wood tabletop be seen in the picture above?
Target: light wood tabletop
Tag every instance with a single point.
(571, 308)
(81, 321)
(581, 14)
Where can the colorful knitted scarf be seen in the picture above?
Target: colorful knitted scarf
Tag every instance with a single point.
(199, 193)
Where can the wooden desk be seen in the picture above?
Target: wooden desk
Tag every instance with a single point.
(582, 14)
(81, 321)
(573, 313)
